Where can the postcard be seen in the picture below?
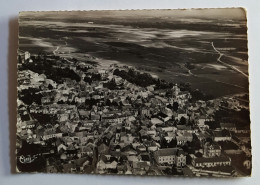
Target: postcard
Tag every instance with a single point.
(134, 92)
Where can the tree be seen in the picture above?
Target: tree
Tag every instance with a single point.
(164, 143)
(28, 96)
(198, 154)
(111, 85)
(209, 140)
(168, 171)
(182, 121)
(185, 86)
(19, 59)
(50, 87)
(172, 143)
(213, 124)
(175, 106)
(140, 79)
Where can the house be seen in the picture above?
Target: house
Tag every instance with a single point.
(183, 97)
(151, 132)
(46, 100)
(152, 148)
(106, 164)
(211, 150)
(182, 114)
(181, 139)
(141, 148)
(170, 156)
(167, 111)
(61, 148)
(86, 150)
(80, 99)
(94, 116)
(228, 126)
(156, 102)
(145, 111)
(145, 157)
(169, 138)
(103, 148)
(127, 138)
(50, 136)
(202, 136)
(156, 121)
(141, 165)
(203, 128)
(242, 130)
(163, 117)
(129, 151)
(69, 168)
(201, 120)
(150, 88)
(51, 169)
(188, 135)
(72, 151)
(223, 135)
(63, 117)
(143, 94)
(163, 100)
(169, 129)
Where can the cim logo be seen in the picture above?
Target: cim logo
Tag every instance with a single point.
(27, 159)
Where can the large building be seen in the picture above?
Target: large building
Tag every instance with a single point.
(171, 156)
(211, 161)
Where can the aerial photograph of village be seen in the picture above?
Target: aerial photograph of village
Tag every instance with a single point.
(134, 92)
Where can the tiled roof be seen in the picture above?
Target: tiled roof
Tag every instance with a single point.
(169, 151)
(212, 159)
(227, 125)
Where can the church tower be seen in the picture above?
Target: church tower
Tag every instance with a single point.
(175, 90)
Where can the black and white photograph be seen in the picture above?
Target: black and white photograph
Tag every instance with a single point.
(134, 92)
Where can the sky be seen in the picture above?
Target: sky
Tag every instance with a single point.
(220, 13)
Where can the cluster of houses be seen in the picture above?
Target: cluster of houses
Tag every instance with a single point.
(88, 128)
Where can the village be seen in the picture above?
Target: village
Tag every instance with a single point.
(81, 117)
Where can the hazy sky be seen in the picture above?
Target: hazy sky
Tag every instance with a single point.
(221, 13)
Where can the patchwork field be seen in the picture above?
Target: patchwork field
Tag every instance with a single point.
(177, 50)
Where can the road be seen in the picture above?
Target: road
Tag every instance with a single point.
(96, 155)
(225, 64)
(101, 135)
(57, 48)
